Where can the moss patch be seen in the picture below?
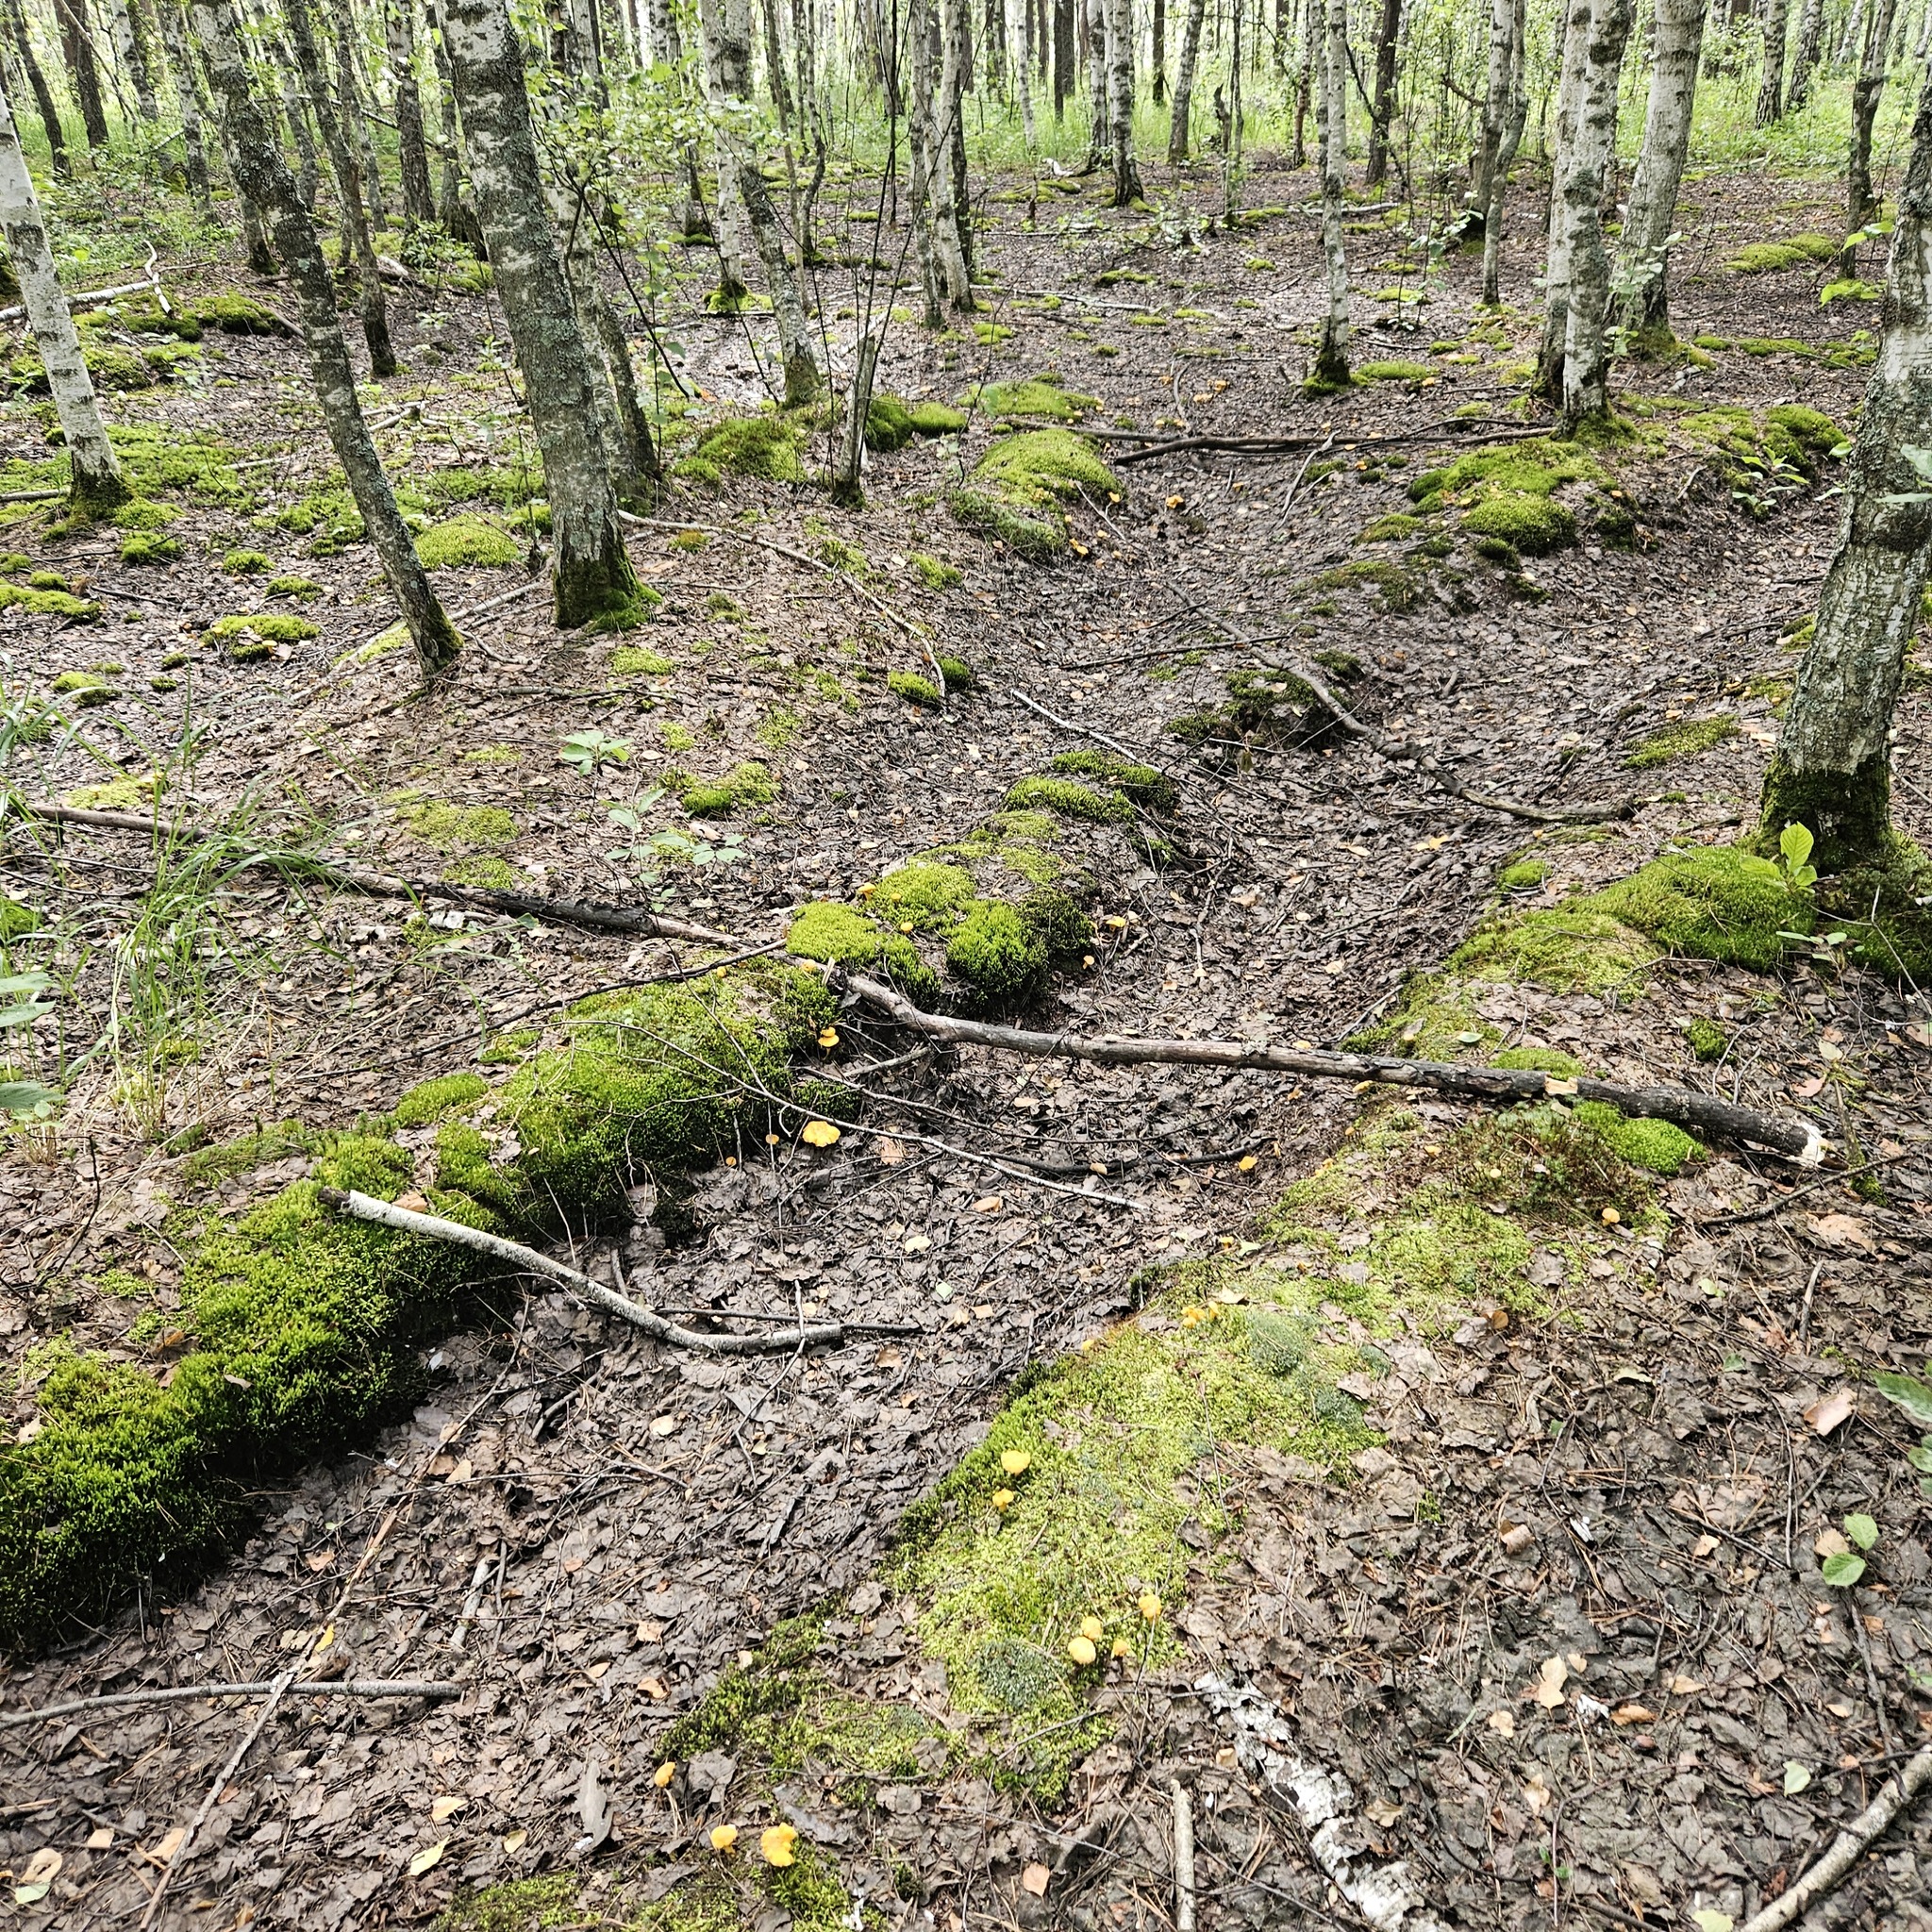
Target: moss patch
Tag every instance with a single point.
(1764, 257)
(1715, 903)
(765, 447)
(1681, 741)
(467, 542)
(1067, 798)
(891, 422)
(1016, 488)
(1506, 493)
(1037, 396)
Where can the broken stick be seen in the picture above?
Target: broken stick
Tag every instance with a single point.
(1701, 1113)
(195, 1693)
(528, 1261)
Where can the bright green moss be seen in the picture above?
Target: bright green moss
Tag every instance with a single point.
(293, 587)
(1523, 874)
(912, 688)
(1393, 528)
(923, 896)
(1038, 464)
(139, 549)
(1067, 798)
(933, 572)
(247, 563)
(1039, 396)
(269, 626)
(130, 794)
(998, 954)
(49, 604)
(80, 686)
(482, 869)
(1715, 903)
(765, 447)
(633, 660)
(237, 314)
(1393, 372)
(1539, 1059)
(467, 542)
(1145, 784)
(1760, 257)
(958, 674)
(890, 421)
(1032, 537)
(1813, 429)
(430, 1100)
(1399, 589)
(16, 920)
(1707, 1039)
(840, 936)
(523, 1904)
(1577, 948)
(746, 788)
(1532, 525)
(1681, 741)
(448, 826)
(1655, 1146)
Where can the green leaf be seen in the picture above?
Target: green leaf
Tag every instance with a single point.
(1797, 1776)
(1795, 843)
(27, 982)
(26, 1099)
(22, 1016)
(1841, 1572)
(1921, 1459)
(1862, 1531)
(1909, 1393)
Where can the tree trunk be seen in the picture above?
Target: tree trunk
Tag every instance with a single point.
(1832, 770)
(454, 213)
(348, 173)
(308, 163)
(1023, 77)
(132, 57)
(802, 379)
(1506, 159)
(1235, 128)
(956, 74)
(726, 29)
(1160, 89)
(1811, 31)
(96, 484)
(848, 487)
(1183, 83)
(1643, 286)
(662, 47)
(629, 457)
(1575, 23)
(355, 123)
(936, 230)
(1771, 86)
(262, 175)
(1387, 33)
(1585, 360)
(188, 99)
(1099, 134)
(78, 49)
(413, 152)
(590, 573)
(1495, 110)
(36, 80)
(1120, 103)
(774, 65)
(1861, 203)
(1855, 23)
(1330, 369)
(805, 56)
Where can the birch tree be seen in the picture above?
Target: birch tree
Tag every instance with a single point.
(1331, 368)
(1120, 100)
(589, 573)
(188, 103)
(1643, 281)
(412, 150)
(37, 82)
(1183, 96)
(1832, 769)
(262, 175)
(1862, 202)
(348, 173)
(1572, 80)
(1515, 114)
(1586, 355)
(1495, 110)
(1805, 56)
(95, 484)
(132, 55)
(1016, 15)
(935, 209)
(77, 50)
(725, 31)
(1771, 102)
(1382, 111)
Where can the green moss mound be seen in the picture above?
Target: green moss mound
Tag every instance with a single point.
(1145, 784)
(305, 1327)
(1765, 257)
(747, 787)
(236, 314)
(1523, 874)
(1683, 740)
(1657, 1146)
(1037, 396)
(1067, 798)
(430, 1100)
(839, 936)
(139, 549)
(959, 675)
(891, 422)
(912, 688)
(467, 542)
(633, 660)
(764, 447)
(1506, 493)
(1531, 525)
(1018, 487)
(1392, 372)
(523, 1904)
(49, 604)
(1575, 948)
(1716, 903)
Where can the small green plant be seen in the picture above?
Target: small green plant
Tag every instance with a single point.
(1908, 1393)
(1794, 855)
(1843, 1567)
(588, 750)
(647, 850)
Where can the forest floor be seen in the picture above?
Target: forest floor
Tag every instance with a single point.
(1611, 1495)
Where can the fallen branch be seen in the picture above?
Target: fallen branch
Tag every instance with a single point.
(389, 886)
(1396, 749)
(1701, 1113)
(1183, 1859)
(1113, 745)
(195, 1693)
(434, 1228)
(1851, 1844)
(1283, 445)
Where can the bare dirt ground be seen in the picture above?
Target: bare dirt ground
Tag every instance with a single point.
(586, 1532)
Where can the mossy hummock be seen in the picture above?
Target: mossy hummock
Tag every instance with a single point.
(1019, 488)
(304, 1327)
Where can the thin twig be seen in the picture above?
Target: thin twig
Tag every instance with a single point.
(1183, 1861)
(195, 1693)
(1112, 745)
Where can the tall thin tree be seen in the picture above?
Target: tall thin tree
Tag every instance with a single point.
(1861, 199)
(1183, 97)
(95, 482)
(37, 82)
(1586, 355)
(1331, 368)
(1643, 269)
(77, 50)
(1771, 83)
(590, 573)
(1382, 109)
(262, 175)
(412, 149)
(188, 101)
(1120, 100)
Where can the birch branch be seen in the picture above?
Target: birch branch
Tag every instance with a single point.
(195, 1693)
(1701, 1113)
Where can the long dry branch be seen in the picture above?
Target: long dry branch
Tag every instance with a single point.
(1701, 1113)
(195, 1693)
(434, 1228)
(390, 886)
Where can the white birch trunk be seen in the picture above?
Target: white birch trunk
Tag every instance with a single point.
(1184, 82)
(1016, 13)
(1515, 116)
(96, 483)
(1642, 278)
(1099, 134)
(1585, 360)
(1496, 107)
(1770, 85)
(949, 182)
(1120, 100)
(1330, 369)
(724, 30)
(1832, 770)
(187, 98)
(1805, 57)
(132, 59)
(592, 575)
(1570, 92)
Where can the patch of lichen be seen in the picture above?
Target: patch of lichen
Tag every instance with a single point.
(1680, 740)
(1506, 493)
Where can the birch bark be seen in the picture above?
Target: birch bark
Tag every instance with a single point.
(96, 483)
(1771, 102)
(590, 575)
(1183, 97)
(78, 49)
(1862, 202)
(1330, 369)
(1570, 86)
(1495, 107)
(1023, 79)
(36, 80)
(1810, 29)
(1586, 358)
(187, 100)
(1832, 769)
(412, 151)
(1382, 113)
(1515, 116)
(724, 29)
(132, 57)
(261, 173)
(1120, 100)
(1644, 285)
